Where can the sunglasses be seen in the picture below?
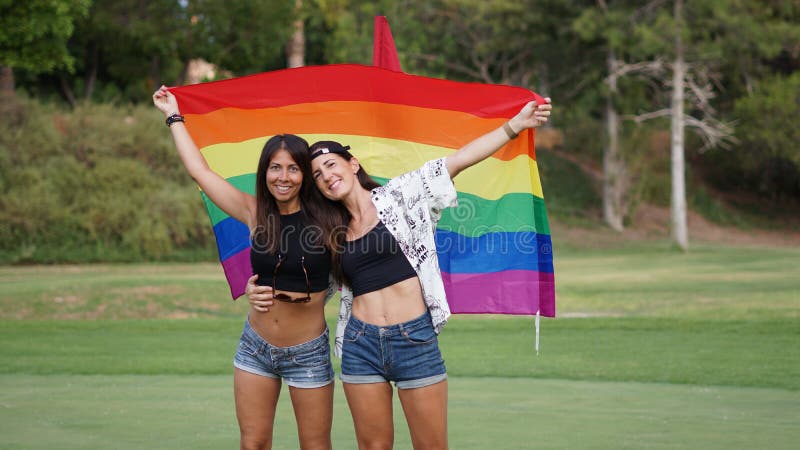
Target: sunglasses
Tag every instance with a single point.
(284, 297)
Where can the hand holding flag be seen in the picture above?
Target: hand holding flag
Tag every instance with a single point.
(532, 115)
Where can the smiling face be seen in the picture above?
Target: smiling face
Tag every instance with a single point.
(284, 180)
(334, 176)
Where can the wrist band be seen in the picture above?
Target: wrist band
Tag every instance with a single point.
(174, 118)
(509, 131)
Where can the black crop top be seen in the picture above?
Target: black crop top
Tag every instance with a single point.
(296, 242)
(374, 261)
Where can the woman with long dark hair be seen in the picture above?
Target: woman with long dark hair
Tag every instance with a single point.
(292, 231)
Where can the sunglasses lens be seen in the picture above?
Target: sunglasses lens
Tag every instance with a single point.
(284, 297)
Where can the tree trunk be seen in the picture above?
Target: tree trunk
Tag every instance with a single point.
(614, 170)
(6, 81)
(679, 224)
(296, 47)
(183, 75)
(67, 90)
(91, 74)
(155, 73)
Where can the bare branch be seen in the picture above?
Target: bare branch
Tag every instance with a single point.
(701, 82)
(701, 94)
(482, 66)
(485, 73)
(712, 131)
(654, 68)
(648, 116)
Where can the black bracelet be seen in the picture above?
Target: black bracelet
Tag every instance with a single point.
(174, 118)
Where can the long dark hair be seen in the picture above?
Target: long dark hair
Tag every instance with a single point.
(338, 238)
(319, 212)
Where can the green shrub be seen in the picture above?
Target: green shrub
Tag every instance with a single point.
(767, 161)
(570, 194)
(100, 183)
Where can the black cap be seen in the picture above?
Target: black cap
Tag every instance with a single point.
(322, 147)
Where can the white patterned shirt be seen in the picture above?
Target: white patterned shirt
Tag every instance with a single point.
(410, 205)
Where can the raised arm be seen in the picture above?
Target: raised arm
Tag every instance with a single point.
(234, 202)
(532, 115)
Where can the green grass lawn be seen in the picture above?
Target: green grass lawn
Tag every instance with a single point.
(732, 353)
(652, 349)
(181, 412)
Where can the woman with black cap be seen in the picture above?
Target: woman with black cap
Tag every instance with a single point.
(393, 300)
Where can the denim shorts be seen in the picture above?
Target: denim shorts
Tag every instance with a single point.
(406, 353)
(306, 365)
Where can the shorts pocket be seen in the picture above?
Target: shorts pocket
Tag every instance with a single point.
(315, 357)
(247, 347)
(351, 335)
(420, 336)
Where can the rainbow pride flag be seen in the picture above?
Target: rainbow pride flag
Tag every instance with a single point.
(495, 251)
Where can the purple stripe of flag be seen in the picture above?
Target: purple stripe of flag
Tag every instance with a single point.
(509, 292)
(238, 270)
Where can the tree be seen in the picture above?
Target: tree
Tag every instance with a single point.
(502, 41)
(675, 28)
(243, 36)
(611, 26)
(680, 232)
(131, 43)
(126, 48)
(341, 30)
(33, 36)
(296, 47)
(615, 174)
(606, 26)
(696, 37)
(761, 73)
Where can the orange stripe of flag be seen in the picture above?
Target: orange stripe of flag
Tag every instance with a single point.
(443, 128)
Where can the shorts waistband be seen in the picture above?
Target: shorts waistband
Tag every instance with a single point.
(390, 330)
(262, 345)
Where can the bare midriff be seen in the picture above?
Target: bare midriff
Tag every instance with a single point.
(288, 324)
(391, 305)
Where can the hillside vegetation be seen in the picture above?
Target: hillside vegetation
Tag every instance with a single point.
(96, 183)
